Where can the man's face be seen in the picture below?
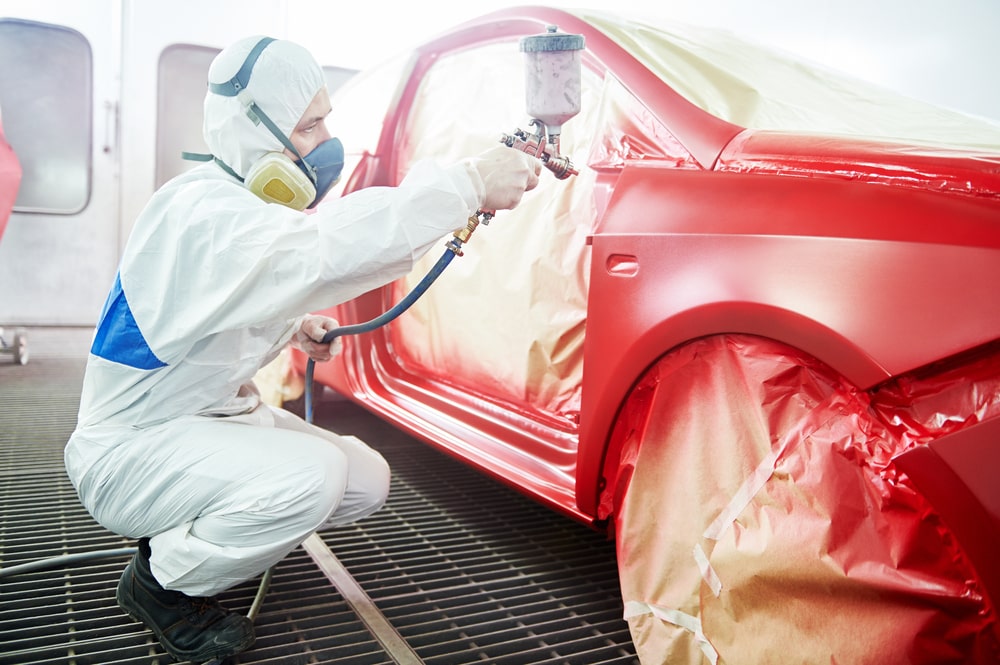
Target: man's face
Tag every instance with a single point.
(311, 130)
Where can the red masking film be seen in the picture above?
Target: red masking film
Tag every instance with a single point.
(629, 132)
(941, 399)
(958, 170)
(782, 474)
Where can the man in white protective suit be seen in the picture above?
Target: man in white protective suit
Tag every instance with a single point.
(173, 445)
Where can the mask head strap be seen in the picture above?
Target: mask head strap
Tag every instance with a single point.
(232, 87)
(236, 87)
(199, 157)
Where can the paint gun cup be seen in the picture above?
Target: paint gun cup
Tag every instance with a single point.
(553, 87)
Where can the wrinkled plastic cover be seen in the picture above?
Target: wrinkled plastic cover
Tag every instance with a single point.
(760, 88)
(786, 533)
(507, 319)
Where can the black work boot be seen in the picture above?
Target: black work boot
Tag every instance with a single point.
(195, 629)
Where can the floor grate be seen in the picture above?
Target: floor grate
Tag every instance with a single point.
(466, 570)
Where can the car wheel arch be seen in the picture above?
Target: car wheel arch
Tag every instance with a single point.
(616, 379)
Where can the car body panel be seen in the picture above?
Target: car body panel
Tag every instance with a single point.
(869, 227)
(835, 280)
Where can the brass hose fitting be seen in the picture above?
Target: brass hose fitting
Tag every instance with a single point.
(462, 236)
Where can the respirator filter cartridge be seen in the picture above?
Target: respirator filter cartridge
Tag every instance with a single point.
(277, 179)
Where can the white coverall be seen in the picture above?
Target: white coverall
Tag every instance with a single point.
(173, 442)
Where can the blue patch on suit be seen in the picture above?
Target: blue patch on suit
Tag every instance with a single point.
(118, 338)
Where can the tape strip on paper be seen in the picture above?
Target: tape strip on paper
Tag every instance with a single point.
(692, 624)
(744, 495)
(707, 572)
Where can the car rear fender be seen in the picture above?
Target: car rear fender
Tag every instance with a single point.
(871, 280)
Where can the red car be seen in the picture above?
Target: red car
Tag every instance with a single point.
(10, 180)
(756, 338)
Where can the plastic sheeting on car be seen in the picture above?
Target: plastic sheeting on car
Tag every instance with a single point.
(938, 169)
(755, 87)
(515, 303)
(785, 533)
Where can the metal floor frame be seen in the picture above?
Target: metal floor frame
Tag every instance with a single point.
(463, 569)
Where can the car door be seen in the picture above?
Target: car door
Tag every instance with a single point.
(491, 356)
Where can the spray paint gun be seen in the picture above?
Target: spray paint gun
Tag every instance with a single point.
(552, 76)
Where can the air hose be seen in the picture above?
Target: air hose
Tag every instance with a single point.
(377, 322)
(454, 247)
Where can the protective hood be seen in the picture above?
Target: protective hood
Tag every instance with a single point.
(284, 81)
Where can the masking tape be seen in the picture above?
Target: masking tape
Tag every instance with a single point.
(744, 495)
(689, 623)
(707, 572)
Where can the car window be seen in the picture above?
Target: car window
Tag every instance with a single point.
(358, 109)
(627, 132)
(507, 320)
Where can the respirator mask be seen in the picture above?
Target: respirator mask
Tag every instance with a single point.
(298, 183)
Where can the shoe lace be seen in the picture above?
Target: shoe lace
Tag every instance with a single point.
(202, 606)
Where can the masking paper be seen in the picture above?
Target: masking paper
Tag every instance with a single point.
(515, 303)
(756, 87)
(783, 532)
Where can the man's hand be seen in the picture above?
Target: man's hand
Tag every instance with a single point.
(309, 338)
(507, 174)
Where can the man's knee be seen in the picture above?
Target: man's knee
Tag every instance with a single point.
(377, 481)
(367, 488)
(327, 485)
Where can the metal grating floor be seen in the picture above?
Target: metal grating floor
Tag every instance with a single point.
(466, 570)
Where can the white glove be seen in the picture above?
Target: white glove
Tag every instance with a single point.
(506, 174)
(309, 337)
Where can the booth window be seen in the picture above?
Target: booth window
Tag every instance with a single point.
(180, 94)
(46, 93)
